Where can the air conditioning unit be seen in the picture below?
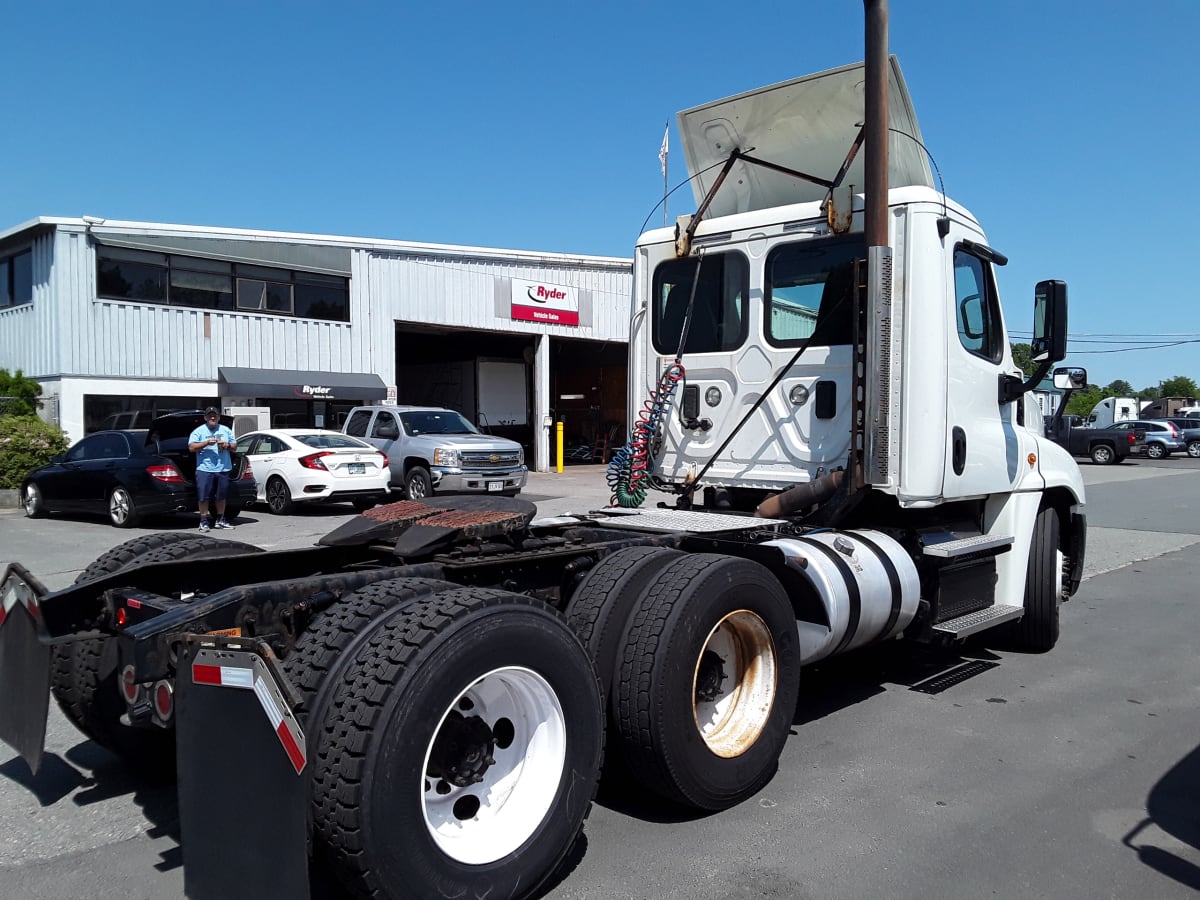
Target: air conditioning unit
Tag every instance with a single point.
(249, 418)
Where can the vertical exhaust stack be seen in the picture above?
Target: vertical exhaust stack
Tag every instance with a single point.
(876, 156)
(870, 452)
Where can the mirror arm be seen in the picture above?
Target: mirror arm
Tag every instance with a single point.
(1012, 387)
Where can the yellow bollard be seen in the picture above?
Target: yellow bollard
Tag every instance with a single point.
(558, 442)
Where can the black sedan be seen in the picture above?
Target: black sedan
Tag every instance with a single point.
(127, 475)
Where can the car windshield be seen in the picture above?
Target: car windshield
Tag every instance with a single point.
(440, 422)
(330, 442)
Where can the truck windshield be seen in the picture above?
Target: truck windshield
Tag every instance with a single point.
(443, 422)
(719, 315)
(810, 288)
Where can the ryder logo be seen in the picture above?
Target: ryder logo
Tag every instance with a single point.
(315, 391)
(548, 304)
(545, 294)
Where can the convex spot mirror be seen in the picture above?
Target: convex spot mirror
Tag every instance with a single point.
(1071, 378)
(1049, 343)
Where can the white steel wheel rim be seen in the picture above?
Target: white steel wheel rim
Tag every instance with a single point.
(483, 822)
(118, 505)
(732, 714)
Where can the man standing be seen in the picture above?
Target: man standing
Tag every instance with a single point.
(211, 442)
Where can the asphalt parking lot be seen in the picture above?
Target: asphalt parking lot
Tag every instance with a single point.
(973, 773)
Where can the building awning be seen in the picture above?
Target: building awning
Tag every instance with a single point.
(293, 384)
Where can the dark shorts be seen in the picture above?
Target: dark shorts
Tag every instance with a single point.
(211, 485)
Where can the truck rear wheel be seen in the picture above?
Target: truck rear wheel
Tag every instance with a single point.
(83, 673)
(1103, 455)
(460, 749)
(708, 683)
(1037, 630)
(331, 639)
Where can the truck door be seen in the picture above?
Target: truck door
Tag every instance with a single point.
(984, 446)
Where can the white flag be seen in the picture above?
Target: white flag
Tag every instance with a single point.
(662, 151)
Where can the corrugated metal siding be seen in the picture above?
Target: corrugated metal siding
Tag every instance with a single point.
(28, 332)
(458, 292)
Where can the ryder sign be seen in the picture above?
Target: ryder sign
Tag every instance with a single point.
(550, 304)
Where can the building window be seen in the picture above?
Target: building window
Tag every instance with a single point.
(16, 279)
(217, 284)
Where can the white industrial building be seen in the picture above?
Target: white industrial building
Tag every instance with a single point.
(120, 321)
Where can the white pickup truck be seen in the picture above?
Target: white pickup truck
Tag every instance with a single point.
(433, 450)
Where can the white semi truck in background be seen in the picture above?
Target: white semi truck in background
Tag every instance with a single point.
(423, 702)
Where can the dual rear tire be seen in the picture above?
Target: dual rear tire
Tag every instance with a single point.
(702, 682)
(467, 719)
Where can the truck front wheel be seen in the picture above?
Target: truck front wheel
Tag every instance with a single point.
(1037, 630)
(1103, 455)
(460, 749)
(708, 681)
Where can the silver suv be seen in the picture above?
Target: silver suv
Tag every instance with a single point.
(431, 449)
(1162, 436)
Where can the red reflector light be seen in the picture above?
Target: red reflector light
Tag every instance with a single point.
(313, 460)
(129, 687)
(164, 700)
(169, 474)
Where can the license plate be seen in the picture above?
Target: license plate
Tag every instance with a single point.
(358, 468)
(495, 485)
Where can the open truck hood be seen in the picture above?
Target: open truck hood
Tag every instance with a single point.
(808, 125)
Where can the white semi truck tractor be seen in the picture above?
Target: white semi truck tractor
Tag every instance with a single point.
(831, 447)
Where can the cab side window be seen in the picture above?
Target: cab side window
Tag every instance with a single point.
(385, 427)
(356, 425)
(977, 307)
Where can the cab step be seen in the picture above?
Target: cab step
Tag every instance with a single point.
(978, 621)
(959, 547)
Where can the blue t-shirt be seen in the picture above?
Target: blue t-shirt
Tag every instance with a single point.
(210, 458)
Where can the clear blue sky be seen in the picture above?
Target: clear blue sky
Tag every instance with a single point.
(1068, 128)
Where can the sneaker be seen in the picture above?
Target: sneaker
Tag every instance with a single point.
(204, 525)
(221, 523)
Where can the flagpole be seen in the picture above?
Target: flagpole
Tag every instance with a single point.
(662, 154)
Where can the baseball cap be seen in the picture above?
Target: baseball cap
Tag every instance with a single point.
(211, 411)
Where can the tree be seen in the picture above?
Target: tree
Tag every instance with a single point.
(1082, 402)
(20, 394)
(1120, 388)
(1179, 386)
(1023, 357)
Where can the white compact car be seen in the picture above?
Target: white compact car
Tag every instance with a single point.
(312, 465)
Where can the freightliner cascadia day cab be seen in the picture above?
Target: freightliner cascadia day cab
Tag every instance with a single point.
(423, 703)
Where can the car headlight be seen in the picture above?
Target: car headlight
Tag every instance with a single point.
(521, 457)
(443, 456)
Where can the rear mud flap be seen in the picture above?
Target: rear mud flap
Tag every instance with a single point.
(24, 665)
(243, 794)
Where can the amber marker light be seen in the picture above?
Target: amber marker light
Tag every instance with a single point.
(1032, 457)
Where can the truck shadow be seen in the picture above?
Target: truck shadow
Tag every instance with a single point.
(851, 678)
(1171, 808)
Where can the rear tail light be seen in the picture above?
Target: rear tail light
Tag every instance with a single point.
(1132, 438)
(168, 474)
(1174, 430)
(313, 460)
(247, 472)
(164, 700)
(130, 689)
(385, 460)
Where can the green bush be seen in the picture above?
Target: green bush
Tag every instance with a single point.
(26, 442)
